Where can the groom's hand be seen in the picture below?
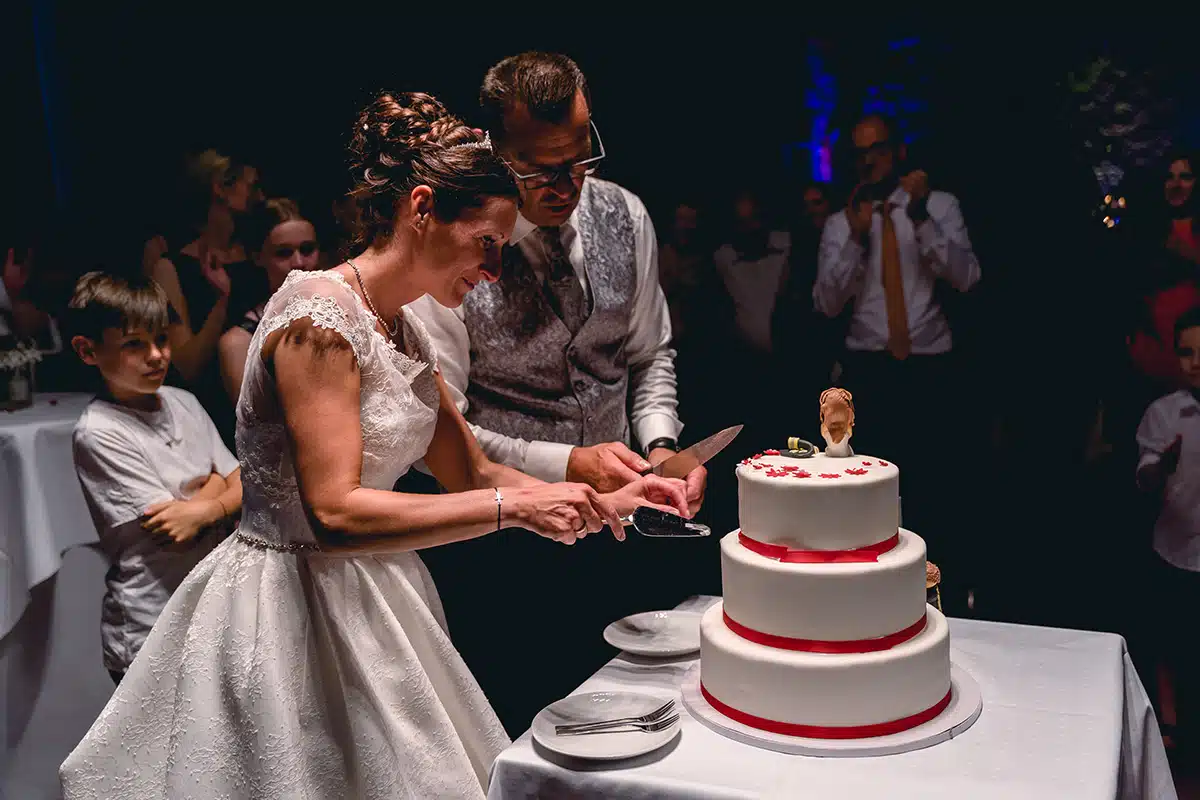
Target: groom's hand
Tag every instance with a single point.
(605, 467)
(696, 480)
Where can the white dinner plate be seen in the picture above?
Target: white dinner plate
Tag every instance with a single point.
(656, 633)
(596, 707)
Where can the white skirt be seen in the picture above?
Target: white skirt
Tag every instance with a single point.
(276, 675)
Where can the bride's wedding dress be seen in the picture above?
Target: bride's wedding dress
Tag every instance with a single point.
(277, 672)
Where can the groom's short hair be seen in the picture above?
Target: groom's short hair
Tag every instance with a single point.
(544, 83)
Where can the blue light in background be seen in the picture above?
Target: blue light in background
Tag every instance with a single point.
(894, 98)
(820, 99)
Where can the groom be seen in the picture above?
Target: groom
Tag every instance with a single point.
(561, 367)
(543, 362)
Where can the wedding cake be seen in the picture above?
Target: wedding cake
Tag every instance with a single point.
(823, 630)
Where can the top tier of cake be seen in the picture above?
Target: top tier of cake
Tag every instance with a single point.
(818, 503)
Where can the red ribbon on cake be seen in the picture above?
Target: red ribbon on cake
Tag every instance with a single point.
(828, 731)
(824, 646)
(788, 555)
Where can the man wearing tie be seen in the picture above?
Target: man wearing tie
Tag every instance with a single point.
(893, 252)
(561, 367)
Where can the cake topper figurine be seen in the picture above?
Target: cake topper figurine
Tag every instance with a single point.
(837, 421)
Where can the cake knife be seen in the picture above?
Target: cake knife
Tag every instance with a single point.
(683, 462)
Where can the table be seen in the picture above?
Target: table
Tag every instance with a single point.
(43, 510)
(1064, 715)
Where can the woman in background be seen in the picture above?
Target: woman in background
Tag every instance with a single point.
(210, 281)
(280, 240)
(1171, 278)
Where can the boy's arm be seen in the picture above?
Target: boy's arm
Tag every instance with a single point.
(182, 520)
(226, 489)
(1159, 446)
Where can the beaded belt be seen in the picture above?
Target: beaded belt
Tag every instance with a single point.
(281, 547)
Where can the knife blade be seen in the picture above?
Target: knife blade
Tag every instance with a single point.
(683, 462)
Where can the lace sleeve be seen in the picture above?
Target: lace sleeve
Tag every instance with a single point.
(327, 300)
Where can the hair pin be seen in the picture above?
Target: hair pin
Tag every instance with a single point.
(486, 144)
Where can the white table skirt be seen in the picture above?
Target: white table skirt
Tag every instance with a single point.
(1064, 715)
(42, 510)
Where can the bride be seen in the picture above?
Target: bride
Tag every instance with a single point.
(307, 656)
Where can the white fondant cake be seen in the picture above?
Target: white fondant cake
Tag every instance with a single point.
(823, 629)
(818, 503)
(832, 602)
(827, 689)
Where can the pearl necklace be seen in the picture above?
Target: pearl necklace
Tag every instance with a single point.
(391, 331)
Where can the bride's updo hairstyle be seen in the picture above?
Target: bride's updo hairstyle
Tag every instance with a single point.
(405, 140)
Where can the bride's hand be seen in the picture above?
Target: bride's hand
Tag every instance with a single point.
(564, 512)
(665, 494)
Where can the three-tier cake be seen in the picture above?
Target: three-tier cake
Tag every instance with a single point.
(823, 630)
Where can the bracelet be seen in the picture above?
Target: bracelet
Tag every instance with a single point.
(499, 505)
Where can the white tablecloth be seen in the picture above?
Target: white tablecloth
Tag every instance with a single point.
(1064, 716)
(42, 510)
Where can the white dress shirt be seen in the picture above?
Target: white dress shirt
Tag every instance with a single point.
(651, 360)
(1177, 531)
(754, 286)
(938, 248)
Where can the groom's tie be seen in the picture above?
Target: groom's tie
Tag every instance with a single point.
(566, 292)
(899, 344)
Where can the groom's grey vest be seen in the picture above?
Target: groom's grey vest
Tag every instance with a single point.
(529, 377)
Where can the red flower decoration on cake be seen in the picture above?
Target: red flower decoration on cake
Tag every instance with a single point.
(883, 463)
(770, 452)
(801, 474)
(830, 475)
(856, 471)
(866, 463)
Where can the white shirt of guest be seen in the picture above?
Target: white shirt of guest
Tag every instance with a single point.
(1177, 530)
(654, 412)
(128, 460)
(937, 248)
(754, 286)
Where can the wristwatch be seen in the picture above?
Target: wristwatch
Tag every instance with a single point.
(662, 442)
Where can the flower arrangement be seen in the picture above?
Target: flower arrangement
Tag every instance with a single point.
(17, 360)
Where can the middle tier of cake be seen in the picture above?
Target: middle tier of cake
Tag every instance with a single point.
(774, 601)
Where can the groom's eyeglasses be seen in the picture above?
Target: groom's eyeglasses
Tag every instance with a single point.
(572, 172)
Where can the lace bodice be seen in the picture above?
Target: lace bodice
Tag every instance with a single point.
(398, 403)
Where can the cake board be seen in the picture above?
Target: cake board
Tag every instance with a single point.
(966, 704)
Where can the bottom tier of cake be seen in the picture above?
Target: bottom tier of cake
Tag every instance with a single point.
(834, 695)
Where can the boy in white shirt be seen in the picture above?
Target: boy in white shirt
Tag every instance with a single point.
(1169, 466)
(162, 488)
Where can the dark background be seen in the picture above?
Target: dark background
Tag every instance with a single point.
(103, 104)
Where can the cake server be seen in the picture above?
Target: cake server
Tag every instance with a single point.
(649, 521)
(683, 462)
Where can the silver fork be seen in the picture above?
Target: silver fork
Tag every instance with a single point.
(650, 717)
(628, 727)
